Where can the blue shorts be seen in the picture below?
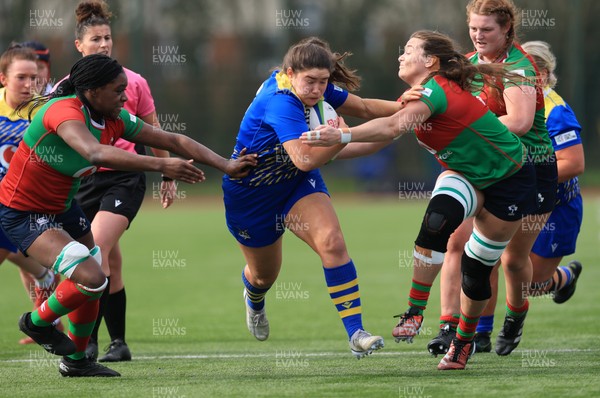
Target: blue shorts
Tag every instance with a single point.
(6, 244)
(514, 197)
(559, 235)
(23, 227)
(256, 216)
(546, 175)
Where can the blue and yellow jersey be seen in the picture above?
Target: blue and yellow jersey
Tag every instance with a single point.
(12, 128)
(564, 130)
(276, 115)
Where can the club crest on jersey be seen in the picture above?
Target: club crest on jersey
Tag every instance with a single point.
(6, 154)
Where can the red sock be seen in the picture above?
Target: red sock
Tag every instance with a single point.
(65, 299)
(451, 320)
(466, 327)
(517, 311)
(418, 295)
(81, 324)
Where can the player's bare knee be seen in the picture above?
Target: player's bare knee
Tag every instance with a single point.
(514, 262)
(96, 278)
(331, 244)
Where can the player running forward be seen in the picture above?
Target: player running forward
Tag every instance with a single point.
(493, 28)
(287, 185)
(77, 127)
(486, 175)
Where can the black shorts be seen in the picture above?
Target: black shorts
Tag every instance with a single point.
(514, 197)
(546, 179)
(118, 192)
(24, 227)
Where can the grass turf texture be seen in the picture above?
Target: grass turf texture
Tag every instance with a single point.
(186, 325)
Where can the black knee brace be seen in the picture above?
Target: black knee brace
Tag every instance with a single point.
(475, 279)
(444, 214)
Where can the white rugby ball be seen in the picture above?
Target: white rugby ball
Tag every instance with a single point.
(323, 113)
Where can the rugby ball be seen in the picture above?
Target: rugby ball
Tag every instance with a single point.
(322, 113)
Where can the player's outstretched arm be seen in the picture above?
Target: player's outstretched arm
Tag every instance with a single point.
(383, 129)
(190, 149)
(78, 137)
(370, 108)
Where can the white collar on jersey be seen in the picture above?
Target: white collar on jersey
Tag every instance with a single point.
(94, 123)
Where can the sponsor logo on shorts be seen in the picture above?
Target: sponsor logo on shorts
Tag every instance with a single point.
(512, 209)
(118, 203)
(244, 234)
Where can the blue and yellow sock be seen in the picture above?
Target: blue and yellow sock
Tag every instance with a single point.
(342, 283)
(255, 296)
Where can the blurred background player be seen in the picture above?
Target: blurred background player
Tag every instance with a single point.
(43, 82)
(112, 198)
(559, 236)
(18, 76)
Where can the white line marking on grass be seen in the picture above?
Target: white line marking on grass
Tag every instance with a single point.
(308, 354)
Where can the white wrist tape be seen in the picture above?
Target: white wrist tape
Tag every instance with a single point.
(345, 137)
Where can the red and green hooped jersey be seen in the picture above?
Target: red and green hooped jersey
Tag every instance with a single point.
(45, 172)
(465, 136)
(536, 140)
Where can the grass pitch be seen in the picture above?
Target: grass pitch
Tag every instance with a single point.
(187, 333)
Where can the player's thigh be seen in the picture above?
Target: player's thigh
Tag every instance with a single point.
(522, 242)
(313, 219)
(108, 228)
